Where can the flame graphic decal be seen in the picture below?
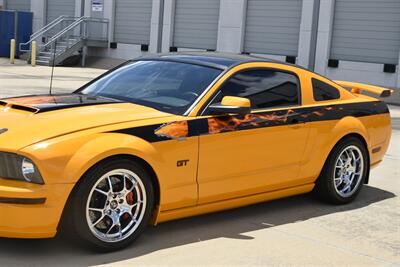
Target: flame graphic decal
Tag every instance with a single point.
(173, 130)
(234, 123)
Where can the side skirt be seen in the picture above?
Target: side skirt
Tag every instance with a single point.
(232, 203)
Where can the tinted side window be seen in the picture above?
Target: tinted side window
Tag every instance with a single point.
(265, 88)
(323, 91)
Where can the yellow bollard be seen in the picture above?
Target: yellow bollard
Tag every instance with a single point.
(12, 51)
(33, 54)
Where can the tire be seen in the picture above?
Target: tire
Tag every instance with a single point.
(344, 172)
(108, 220)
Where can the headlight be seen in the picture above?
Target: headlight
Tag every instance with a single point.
(16, 167)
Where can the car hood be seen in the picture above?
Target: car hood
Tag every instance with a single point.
(28, 120)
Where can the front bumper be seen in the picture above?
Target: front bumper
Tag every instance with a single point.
(31, 210)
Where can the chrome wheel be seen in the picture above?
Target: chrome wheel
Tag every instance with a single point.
(348, 171)
(116, 205)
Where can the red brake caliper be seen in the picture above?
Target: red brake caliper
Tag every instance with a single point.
(129, 200)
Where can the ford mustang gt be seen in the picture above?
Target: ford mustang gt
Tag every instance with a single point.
(177, 135)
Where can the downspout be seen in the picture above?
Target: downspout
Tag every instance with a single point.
(314, 33)
(160, 26)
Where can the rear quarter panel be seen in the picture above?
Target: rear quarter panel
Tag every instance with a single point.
(324, 135)
(379, 129)
(353, 114)
(366, 118)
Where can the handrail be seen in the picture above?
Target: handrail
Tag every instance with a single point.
(47, 26)
(61, 33)
(83, 34)
(79, 29)
(72, 26)
(45, 29)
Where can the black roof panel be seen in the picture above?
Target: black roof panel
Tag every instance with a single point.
(223, 60)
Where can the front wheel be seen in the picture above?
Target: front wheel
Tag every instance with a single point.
(344, 172)
(112, 204)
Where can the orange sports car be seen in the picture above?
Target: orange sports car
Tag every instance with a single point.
(178, 135)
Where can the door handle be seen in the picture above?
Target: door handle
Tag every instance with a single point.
(295, 121)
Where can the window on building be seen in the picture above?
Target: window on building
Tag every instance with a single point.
(323, 91)
(265, 88)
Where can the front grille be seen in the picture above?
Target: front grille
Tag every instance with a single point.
(10, 165)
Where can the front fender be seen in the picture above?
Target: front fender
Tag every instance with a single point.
(65, 160)
(106, 145)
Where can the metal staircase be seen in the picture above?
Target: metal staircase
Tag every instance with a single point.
(67, 36)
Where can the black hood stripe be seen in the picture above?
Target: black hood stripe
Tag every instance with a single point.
(45, 103)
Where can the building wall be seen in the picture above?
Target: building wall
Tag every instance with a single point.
(347, 70)
(314, 44)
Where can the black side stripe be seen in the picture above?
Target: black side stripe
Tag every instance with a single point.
(213, 125)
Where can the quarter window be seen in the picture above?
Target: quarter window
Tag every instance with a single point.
(323, 91)
(264, 87)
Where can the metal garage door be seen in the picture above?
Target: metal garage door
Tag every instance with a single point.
(132, 21)
(367, 31)
(196, 24)
(20, 5)
(56, 8)
(273, 27)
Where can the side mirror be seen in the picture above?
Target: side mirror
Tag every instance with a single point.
(231, 105)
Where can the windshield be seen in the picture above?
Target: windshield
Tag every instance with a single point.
(164, 85)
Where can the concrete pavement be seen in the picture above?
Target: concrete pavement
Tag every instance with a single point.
(21, 78)
(292, 231)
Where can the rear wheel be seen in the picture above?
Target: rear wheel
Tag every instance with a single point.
(112, 204)
(344, 172)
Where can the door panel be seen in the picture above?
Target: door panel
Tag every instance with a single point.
(56, 8)
(250, 161)
(132, 21)
(366, 31)
(258, 152)
(273, 27)
(19, 5)
(196, 24)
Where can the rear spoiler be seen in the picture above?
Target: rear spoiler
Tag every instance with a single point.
(357, 88)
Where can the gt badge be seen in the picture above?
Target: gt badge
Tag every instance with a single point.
(181, 163)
